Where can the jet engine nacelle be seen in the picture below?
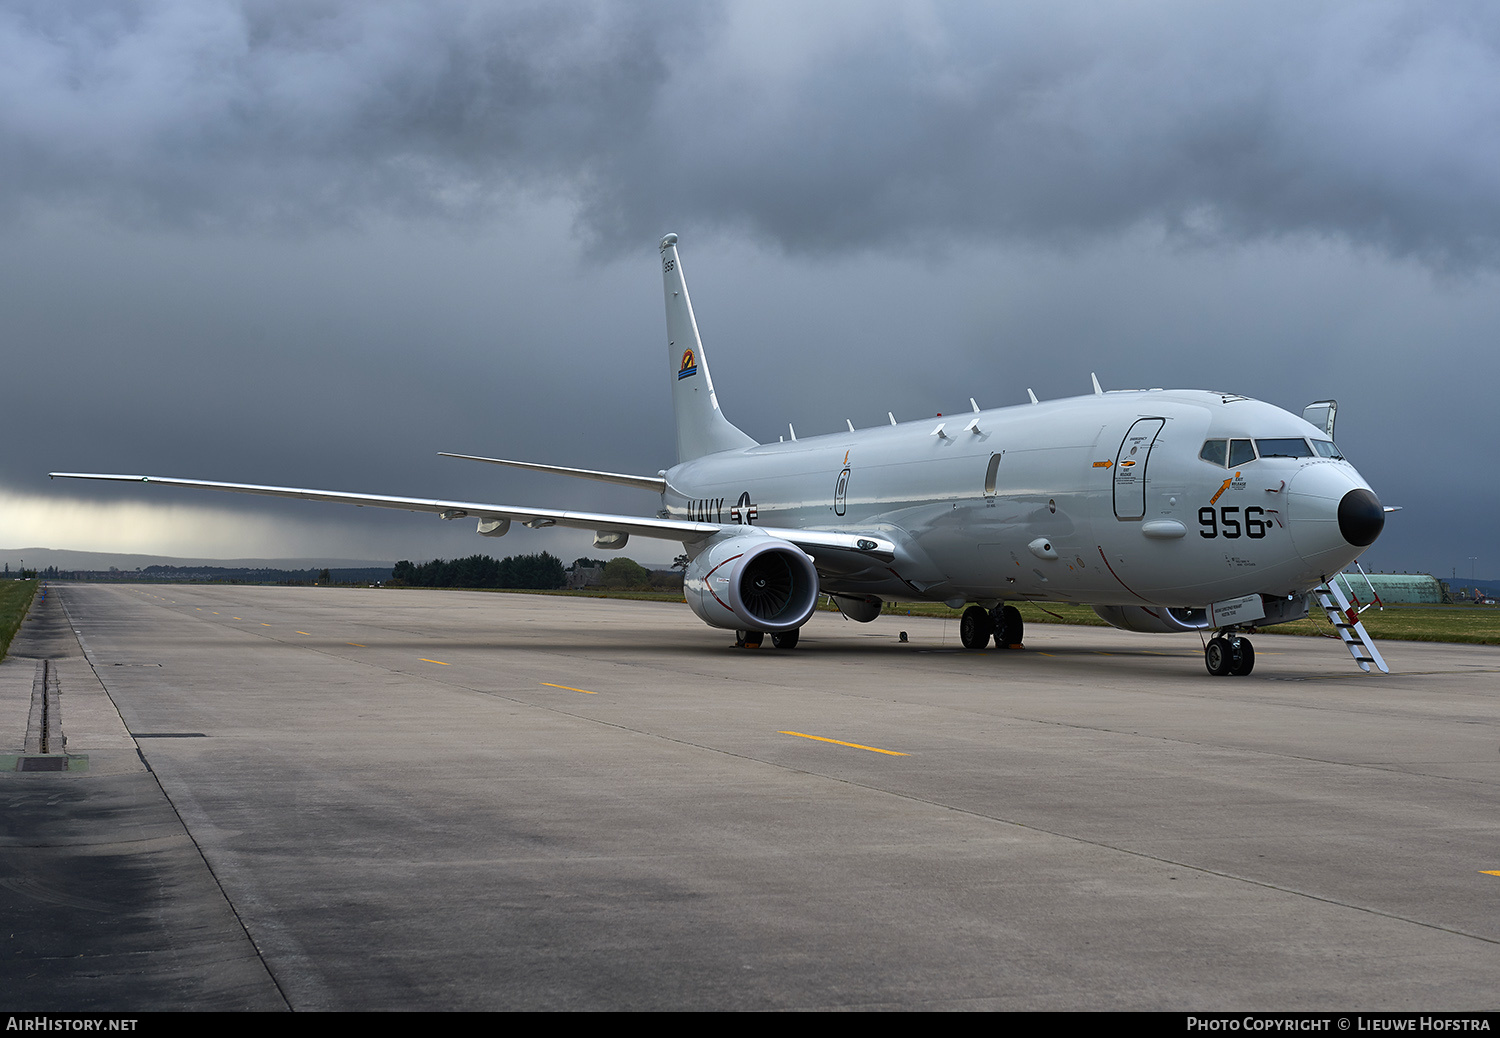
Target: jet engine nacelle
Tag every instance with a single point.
(1154, 619)
(752, 583)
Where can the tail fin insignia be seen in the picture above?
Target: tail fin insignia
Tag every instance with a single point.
(701, 426)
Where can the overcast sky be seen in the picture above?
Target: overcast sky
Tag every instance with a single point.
(314, 243)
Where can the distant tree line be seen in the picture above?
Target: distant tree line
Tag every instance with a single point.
(622, 574)
(542, 572)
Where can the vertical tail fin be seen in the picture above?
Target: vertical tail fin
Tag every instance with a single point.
(701, 426)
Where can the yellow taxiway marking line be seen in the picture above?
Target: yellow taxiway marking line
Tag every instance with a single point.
(357, 645)
(570, 688)
(265, 625)
(855, 745)
(304, 632)
(1488, 872)
(440, 663)
(236, 617)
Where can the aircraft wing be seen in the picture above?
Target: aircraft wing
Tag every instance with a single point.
(681, 530)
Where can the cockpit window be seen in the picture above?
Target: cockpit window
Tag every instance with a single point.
(1235, 453)
(1284, 447)
(1327, 449)
(1231, 453)
(1240, 453)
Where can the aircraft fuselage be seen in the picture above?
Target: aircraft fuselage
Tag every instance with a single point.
(1101, 499)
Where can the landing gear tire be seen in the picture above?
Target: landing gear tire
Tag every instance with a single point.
(1010, 628)
(1242, 654)
(1217, 657)
(974, 628)
(787, 639)
(748, 639)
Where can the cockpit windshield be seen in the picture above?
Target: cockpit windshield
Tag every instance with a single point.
(1284, 447)
(1235, 453)
(1228, 453)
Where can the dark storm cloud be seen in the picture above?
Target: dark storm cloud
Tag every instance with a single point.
(1373, 122)
(821, 129)
(221, 112)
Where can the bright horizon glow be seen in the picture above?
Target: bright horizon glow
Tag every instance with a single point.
(188, 531)
(172, 529)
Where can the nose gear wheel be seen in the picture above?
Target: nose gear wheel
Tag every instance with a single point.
(1229, 656)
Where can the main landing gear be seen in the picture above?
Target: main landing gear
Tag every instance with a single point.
(754, 639)
(1003, 622)
(1229, 654)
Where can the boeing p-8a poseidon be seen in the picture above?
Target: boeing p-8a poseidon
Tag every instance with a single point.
(1167, 511)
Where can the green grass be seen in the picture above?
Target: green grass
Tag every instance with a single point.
(15, 599)
(1473, 625)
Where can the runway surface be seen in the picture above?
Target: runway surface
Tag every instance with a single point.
(378, 799)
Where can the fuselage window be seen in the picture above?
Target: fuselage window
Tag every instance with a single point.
(1213, 450)
(1284, 447)
(1241, 452)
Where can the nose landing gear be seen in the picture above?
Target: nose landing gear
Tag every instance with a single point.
(1229, 654)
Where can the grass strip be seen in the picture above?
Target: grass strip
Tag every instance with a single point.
(15, 599)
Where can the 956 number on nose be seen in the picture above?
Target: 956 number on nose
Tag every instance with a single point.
(1226, 521)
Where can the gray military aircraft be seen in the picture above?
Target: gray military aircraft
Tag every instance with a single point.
(1166, 510)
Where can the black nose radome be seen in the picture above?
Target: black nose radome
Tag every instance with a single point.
(1361, 518)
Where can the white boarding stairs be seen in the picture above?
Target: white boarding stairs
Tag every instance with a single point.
(1345, 620)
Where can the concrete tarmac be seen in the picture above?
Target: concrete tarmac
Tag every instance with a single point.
(381, 799)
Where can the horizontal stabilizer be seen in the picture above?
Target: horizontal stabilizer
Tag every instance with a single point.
(655, 484)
